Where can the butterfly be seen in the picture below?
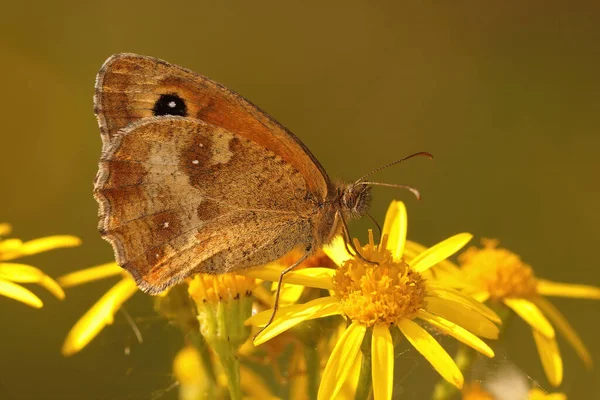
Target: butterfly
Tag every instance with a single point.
(193, 178)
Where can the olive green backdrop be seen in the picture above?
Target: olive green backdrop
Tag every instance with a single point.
(506, 96)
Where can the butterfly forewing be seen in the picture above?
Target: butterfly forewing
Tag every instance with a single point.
(129, 87)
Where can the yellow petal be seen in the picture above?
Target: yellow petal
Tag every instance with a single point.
(471, 320)
(289, 293)
(348, 389)
(565, 329)
(550, 357)
(440, 252)
(42, 244)
(446, 293)
(336, 250)
(432, 351)
(90, 274)
(19, 293)
(97, 317)
(413, 249)
(457, 332)
(531, 314)
(261, 318)
(9, 246)
(538, 394)
(395, 227)
(382, 362)
(22, 273)
(481, 297)
(5, 229)
(288, 317)
(341, 361)
(549, 288)
(310, 277)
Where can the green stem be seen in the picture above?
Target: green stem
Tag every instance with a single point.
(231, 367)
(222, 326)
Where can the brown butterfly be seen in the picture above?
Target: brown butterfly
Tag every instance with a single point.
(194, 178)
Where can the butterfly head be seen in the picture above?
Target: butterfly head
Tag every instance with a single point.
(355, 200)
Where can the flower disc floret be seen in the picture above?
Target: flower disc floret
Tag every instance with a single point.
(381, 293)
(500, 272)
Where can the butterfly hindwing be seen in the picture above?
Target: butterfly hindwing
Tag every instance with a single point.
(178, 195)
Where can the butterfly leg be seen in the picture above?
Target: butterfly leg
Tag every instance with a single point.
(348, 242)
(280, 283)
(376, 224)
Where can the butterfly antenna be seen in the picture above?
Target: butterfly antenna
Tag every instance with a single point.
(413, 190)
(421, 153)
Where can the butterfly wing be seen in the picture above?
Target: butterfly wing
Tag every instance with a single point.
(179, 196)
(131, 87)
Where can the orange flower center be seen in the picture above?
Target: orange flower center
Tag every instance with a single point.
(381, 293)
(498, 271)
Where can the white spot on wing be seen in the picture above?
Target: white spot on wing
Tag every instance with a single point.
(166, 224)
(195, 162)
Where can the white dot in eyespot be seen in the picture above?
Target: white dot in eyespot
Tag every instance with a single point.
(172, 104)
(195, 162)
(201, 145)
(166, 225)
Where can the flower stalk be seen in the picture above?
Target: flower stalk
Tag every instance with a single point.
(223, 304)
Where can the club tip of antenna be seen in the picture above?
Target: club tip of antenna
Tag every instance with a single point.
(426, 154)
(415, 192)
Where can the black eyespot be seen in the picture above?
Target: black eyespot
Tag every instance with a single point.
(170, 104)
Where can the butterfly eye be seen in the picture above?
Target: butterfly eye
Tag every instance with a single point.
(170, 104)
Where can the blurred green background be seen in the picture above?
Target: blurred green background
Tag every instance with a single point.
(505, 95)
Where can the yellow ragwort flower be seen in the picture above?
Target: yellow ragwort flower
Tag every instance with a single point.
(496, 274)
(11, 274)
(377, 297)
(103, 311)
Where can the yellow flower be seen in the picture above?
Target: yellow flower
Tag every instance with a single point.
(501, 276)
(103, 312)
(378, 297)
(11, 274)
